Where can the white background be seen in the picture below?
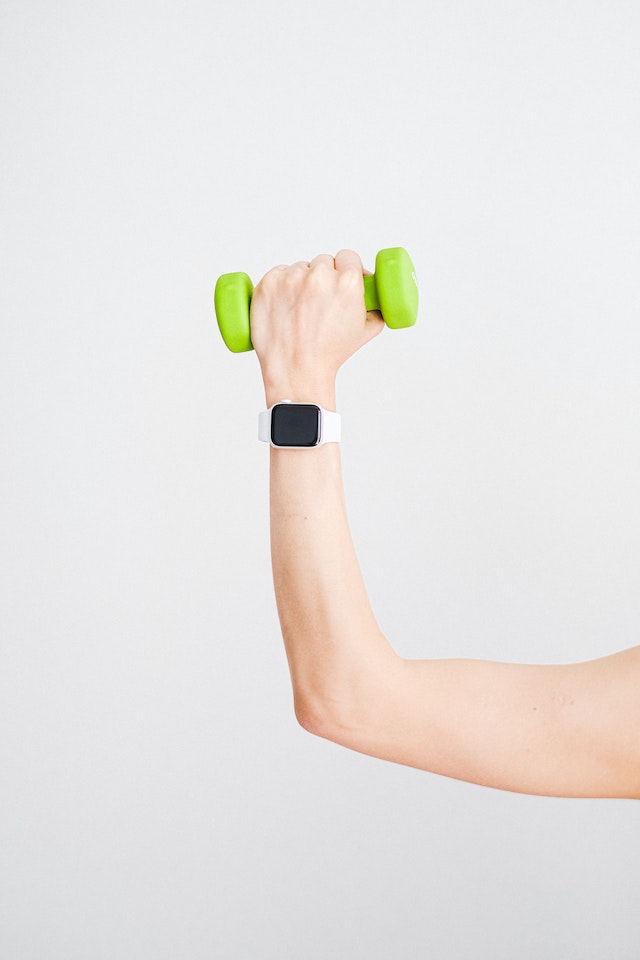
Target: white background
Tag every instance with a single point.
(158, 799)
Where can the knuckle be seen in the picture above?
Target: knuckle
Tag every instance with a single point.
(291, 280)
(275, 272)
(319, 276)
(322, 267)
(351, 280)
(270, 280)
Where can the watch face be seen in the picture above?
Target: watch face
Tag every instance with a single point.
(295, 425)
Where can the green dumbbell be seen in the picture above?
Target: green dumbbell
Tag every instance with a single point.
(392, 289)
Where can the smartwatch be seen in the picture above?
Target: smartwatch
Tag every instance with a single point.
(298, 426)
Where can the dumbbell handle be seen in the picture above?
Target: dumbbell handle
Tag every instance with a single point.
(371, 300)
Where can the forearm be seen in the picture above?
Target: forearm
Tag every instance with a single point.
(333, 643)
(318, 584)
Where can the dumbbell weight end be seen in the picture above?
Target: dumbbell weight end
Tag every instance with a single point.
(396, 288)
(232, 300)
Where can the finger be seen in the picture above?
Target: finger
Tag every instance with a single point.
(349, 260)
(374, 325)
(324, 259)
(301, 264)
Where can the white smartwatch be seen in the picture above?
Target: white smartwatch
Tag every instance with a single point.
(298, 426)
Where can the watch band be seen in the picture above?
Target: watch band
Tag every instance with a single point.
(330, 425)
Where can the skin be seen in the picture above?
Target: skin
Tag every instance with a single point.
(556, 730)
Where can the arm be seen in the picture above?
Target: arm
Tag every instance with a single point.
(563, 730)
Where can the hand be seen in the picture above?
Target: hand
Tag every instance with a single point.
(307, 319)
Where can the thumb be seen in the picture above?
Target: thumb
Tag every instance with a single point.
(374, 324)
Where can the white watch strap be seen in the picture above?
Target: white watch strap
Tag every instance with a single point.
(330, 425)
(264, 425)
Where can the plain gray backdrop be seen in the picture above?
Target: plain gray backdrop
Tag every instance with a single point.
(158, 799)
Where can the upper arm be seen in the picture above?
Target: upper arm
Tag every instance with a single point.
(557, 730)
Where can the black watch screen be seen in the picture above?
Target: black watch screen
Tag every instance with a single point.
(295, 425)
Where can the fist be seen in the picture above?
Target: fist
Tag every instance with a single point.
(307, 319)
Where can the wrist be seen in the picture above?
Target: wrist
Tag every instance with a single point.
(310, 391)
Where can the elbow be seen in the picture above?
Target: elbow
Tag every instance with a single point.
(345, 720)
(314, 716)
(351, 703)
